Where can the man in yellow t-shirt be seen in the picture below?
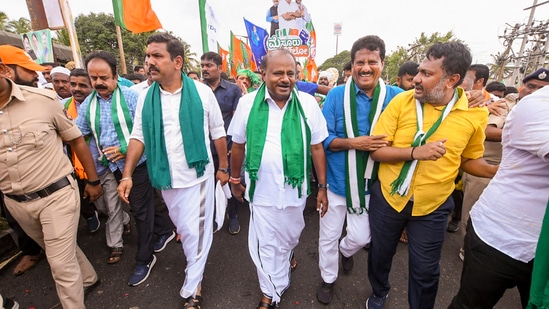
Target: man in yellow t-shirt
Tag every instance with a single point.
(431, 133)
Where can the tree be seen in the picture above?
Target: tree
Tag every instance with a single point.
(98, 32)
(3, 21)
(21, 25)
(415, 52)
(62, 37)
(338, 61)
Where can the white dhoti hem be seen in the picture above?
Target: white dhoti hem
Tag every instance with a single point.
(331, 225)
(191, 211)
(273, 235)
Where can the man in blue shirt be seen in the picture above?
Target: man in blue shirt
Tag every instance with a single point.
(227, 95)
(107, 115)
(351, 111)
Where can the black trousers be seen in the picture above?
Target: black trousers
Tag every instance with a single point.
(425, 237)
(148, 220)
(487, 273)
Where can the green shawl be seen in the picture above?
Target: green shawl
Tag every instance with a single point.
(295, 140)
(191, 122)
(539, 291)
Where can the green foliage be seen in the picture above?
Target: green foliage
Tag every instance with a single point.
(62, 37)
(415, 52)
(98, 32)
(3, 21)
(21, 25)
(338, 61)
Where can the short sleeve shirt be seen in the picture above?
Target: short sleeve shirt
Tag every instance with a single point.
(33, 126)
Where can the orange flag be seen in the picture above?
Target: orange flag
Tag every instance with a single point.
(135, 15)
(241, 56)
(225, 58)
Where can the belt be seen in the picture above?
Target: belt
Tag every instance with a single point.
(63, 182)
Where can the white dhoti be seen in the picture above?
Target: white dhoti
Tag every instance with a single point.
(273, 235)
(191, 211)
(331, 225)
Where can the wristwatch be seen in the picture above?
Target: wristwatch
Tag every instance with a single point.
(323, 186)
(93, 183)
(224, 170)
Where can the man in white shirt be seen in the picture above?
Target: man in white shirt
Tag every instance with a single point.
(173, 127)
(278, 130)
(505, 222)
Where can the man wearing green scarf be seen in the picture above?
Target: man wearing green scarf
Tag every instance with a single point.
(507, 229)
(351, 111)
(431, 134)
(107, 115)
(173, 121)
(277, 129)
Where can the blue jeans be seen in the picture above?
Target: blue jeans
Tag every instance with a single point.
(425, 238)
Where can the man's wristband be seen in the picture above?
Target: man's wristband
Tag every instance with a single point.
(234, 180)
(412, 153)
(125, 178)
(223, 170)
(93, 183)
(323, 186)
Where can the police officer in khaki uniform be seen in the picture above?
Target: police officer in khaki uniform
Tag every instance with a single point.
(44, 198)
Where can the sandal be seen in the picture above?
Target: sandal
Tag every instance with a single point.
(115, 256)
(193, 302)
(265, 305)
(404, 237)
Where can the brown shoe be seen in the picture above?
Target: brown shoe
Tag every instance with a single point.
(27, 262)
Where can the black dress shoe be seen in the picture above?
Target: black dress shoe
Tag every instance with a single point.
(347, 263)
(88, 289)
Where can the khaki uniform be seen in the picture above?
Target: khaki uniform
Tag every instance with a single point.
(472, 185)
(32, 128)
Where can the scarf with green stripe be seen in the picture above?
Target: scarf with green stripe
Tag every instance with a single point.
(539, 291)
(121, 119)
(191, 122)
(295, 139)
(360, 167)
(402, 183)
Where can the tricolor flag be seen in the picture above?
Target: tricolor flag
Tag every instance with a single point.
(135, 15)
(258, 41)
(209, 26)
(241, 56)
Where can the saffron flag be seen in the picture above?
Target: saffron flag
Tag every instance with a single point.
(312, 39)
(258, 41)
(241, 56)
(209, 26)
(224, 58)
(135, 15)
(310, 70)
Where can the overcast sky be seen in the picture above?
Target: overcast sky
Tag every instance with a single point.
(397, 22)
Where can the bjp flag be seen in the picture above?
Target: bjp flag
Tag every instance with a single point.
(135, 15)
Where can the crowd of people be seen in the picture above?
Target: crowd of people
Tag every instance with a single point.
(441, 150)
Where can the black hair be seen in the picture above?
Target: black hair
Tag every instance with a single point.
(79, 72)
(510, 89)
(456, 58)
(495, 86)
(408, 67)
(104, 55)
(173, 45)
(481, 71)
(215, 57)
(371, 43)
(137, 68)
(132, 76)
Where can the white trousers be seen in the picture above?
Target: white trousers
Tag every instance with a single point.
(273, 235)
(191, 211)
(331, 226)
(111, 205)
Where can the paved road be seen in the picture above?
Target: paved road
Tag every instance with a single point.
(230, 278)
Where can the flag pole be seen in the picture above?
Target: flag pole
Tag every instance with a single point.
(69, 25)
(121, 48)
(203, 25)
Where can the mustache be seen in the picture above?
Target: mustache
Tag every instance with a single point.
(101, 87)
(153, 68)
